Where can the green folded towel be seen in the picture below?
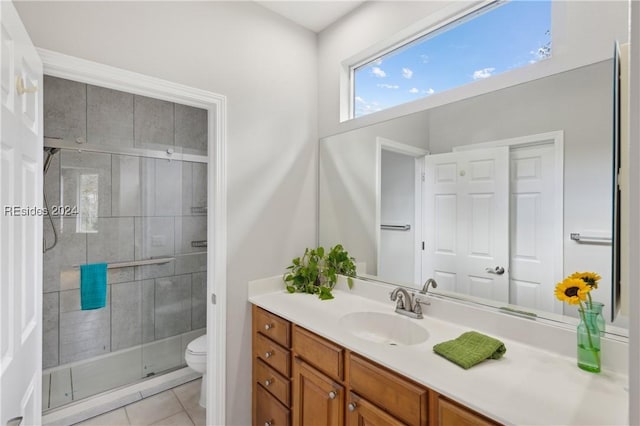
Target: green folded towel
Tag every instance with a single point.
(470, 349)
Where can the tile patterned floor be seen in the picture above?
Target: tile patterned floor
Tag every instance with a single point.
(174, 407)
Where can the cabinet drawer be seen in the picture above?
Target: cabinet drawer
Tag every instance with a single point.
(322, 354)
(400, 397)
(268, 324)
(451, 414)
(268, 410)
(273, 354)
(273, 381)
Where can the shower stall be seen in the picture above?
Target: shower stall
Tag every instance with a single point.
(125, 183)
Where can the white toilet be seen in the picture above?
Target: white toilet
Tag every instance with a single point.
(196, 358)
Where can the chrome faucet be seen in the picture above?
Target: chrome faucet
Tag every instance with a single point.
(405, 304)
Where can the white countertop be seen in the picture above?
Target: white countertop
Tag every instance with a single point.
(527, 386)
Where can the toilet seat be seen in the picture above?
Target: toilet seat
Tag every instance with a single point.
(198, 346)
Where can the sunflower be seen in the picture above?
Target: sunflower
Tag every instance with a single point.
(572, 290)
(591, 278)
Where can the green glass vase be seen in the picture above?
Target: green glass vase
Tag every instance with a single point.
(597, 308)
(590, 329)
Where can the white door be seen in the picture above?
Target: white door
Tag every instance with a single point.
(533, 214)
(20, 231)
(466, 222)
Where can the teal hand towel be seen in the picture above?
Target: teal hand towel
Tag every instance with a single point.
(470, 349)
(93, 286)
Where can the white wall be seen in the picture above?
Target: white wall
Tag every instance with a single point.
(347, 184)
(575, 43)
(266, 66)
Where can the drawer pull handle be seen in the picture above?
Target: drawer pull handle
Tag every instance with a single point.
(268, 382)
(268, 327)
(352, 406)
(268, 354)
(332, 395)
(268, 423)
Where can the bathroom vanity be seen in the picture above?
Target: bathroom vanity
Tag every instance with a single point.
(318, 362)
(301, 378)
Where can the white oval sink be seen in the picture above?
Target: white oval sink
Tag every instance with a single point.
(383, 328)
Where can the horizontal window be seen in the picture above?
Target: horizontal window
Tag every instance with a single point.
(492, 40)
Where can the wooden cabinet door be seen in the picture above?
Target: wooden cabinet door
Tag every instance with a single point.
(361, 412)
(400, 397)
(317, 400)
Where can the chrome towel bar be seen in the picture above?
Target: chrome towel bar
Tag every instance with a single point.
(396, 227)
(575, 236)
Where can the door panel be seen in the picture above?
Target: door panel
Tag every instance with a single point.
(532, 227)
(466, 221)
(20, 228)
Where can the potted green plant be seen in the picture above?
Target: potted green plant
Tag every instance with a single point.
(316, 272)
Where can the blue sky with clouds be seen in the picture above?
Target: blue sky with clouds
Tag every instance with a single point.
(506, 37)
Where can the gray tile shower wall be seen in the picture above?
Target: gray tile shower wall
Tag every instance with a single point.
(133, 208)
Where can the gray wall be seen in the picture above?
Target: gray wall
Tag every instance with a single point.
(145, 208)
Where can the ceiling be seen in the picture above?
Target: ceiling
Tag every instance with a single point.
(314, 15)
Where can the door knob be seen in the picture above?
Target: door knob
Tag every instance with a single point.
(498, 270)
(352, 406)
(332, 395)
(268, 354)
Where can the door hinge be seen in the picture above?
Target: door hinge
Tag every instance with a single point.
(423, 245)
(213, 298)
(423, 176)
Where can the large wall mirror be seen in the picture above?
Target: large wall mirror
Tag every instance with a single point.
(498, 196)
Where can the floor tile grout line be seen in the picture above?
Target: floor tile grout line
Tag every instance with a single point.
(180, 401)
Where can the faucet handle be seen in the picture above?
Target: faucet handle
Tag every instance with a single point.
(417, 309)
(400, 303)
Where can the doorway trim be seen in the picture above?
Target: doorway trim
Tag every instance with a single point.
(411, 151)
(81, 70)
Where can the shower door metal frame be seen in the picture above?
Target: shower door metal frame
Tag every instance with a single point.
(71, 68)
(134, 152)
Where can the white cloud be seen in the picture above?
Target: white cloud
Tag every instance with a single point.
(414, 90)
(364, 107)
(407, 73)
(378, 72)
(425, 59)
(388, 86)
(429, 91)
(378, 61)
(483, 73)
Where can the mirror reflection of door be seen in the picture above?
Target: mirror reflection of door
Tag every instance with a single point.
(471, 196)
(466, 222)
